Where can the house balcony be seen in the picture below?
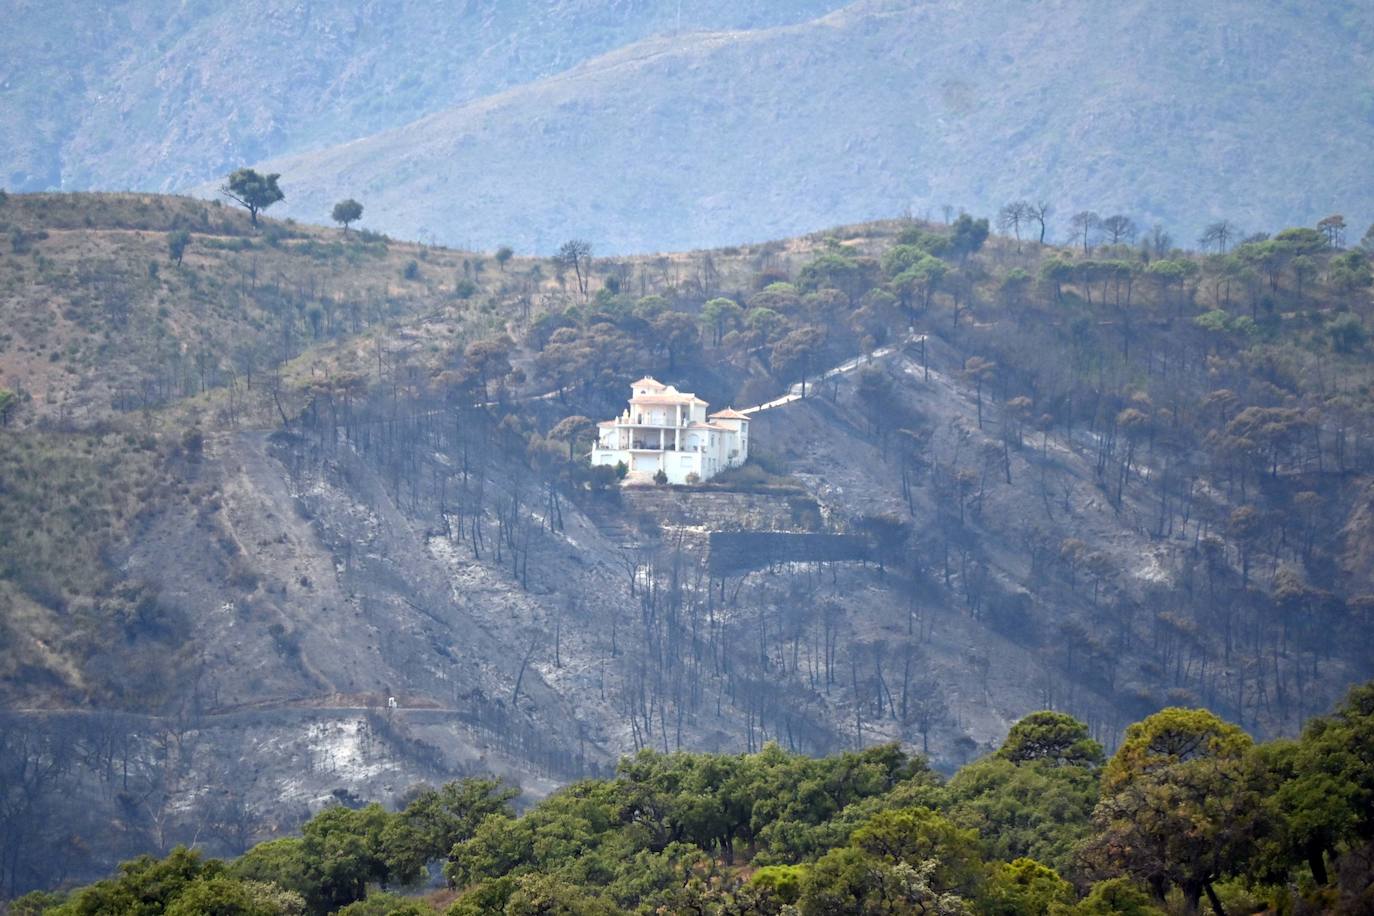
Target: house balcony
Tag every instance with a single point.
(647, 446)
(641, 423)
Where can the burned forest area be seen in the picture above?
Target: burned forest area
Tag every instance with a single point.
(295, 518)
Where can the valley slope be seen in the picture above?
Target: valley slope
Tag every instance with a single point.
(251, 497)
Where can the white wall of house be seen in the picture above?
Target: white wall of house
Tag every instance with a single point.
(668, 430)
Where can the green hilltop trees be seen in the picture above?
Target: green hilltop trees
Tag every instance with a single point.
(346, 211)
(253, 190)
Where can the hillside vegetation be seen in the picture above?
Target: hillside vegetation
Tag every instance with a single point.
(1188, 811)
(307, 469)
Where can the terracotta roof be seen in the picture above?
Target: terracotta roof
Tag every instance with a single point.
(663, 399)
(730, 413)
(649, 382)
(606, 423)
(715, 426)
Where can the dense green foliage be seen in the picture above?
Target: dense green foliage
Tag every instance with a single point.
(1188, 805)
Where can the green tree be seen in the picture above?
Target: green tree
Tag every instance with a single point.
(836, 270)
(347, 211)
(487, 361)
(222, 895)
(908, 860)
(503, 256)
(1115, 897)
(782, 881)
(436, 820)
(899, 258)
(331, 864)
(1182, 805)
(498, 846)
(1171, 277)
(915, 835)
(1034, 808)
(721, 314)
(795, 354)
(570, 430)
(968, 236)
(34, 903)
(1054, 273)
(764, 324)
(283, 862)
(549, 895)
(1327, 797)
(921, 279)
(676, 335)
(1332, 229)
(484, 898)
(1349, 272)
(1347, 334)
(253, 190)
(847, 881)
(177, 242)
(1054, 737)
(1013, 286)
(1024, 887)
(144, 886)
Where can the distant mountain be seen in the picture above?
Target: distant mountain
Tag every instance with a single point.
(1262, 112)
(656, 125)
(157, 94)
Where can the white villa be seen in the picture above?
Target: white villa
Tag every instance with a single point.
(669, 430)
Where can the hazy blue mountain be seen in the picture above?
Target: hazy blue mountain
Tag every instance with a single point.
(155, 94)
(1262, 112)
(660, 125)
